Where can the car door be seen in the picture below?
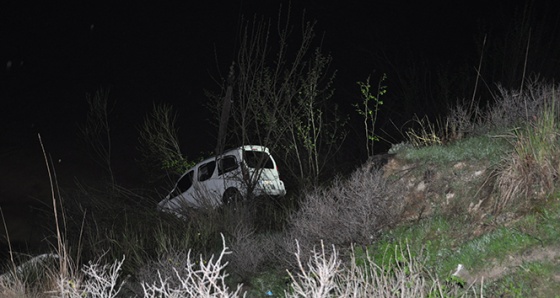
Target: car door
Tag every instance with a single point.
(229, 173)
(181, 195)
(207, 192)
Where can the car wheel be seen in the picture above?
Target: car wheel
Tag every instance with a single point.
(232, 196)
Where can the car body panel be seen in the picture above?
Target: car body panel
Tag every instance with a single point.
(248, 169)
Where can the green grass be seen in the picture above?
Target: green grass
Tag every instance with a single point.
(440, 242)
(475, 148)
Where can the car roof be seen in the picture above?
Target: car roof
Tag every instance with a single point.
(258, 148)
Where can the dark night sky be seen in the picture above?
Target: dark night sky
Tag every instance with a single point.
(52, 54)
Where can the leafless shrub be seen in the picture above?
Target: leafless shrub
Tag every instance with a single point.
(282, 86)
(251, 250)
(352, 211)
(95, 280)
(460, 122)
(403, 275)
(205, 278)
(513, 108)
(318, 278)
(170, 266)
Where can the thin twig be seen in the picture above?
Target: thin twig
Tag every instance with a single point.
(524, 70)
(9, 242)
(60, 246)
(477, 74)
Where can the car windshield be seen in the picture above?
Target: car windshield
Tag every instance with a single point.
(258, 159)
(186, 182)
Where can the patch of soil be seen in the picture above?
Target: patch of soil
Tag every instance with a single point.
(449, 190)
(547, 253)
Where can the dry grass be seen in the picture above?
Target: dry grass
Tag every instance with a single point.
(458, 124)
(531, 171)
(31, 278)
(512, 108)
(425, 133)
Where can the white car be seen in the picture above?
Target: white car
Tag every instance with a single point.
(238, 173)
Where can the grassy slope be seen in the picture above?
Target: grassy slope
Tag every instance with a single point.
(451, 217)
(516, 252)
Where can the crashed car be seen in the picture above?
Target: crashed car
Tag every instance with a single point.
(240, 173)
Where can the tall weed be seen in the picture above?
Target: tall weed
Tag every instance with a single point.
(531, 171)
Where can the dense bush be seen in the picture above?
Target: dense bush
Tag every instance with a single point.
(347, 212)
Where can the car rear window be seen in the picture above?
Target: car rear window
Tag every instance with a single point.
(258, 159)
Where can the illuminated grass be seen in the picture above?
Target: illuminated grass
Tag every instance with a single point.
(475, 148)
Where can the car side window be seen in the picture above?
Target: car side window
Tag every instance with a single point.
(227, 164)
(206, 170)
(186, 182)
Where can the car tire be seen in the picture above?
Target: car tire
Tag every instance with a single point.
(231, 196)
